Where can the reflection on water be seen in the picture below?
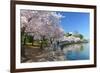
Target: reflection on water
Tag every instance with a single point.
(76, 52)
(69, 52)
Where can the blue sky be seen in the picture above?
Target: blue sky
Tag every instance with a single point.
(76, 21)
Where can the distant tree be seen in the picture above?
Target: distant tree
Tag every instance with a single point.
(76, 34)
(67, 34)
(81, 36)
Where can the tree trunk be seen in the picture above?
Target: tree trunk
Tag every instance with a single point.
(32, 40)
(25, 40)
(50, 40)
(21, 38)
(41, 46)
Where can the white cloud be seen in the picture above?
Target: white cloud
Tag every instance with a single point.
(57, 15)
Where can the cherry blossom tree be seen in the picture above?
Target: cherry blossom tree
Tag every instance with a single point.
(43, 24)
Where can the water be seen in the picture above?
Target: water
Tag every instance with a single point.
(77, 52)
(68, 53)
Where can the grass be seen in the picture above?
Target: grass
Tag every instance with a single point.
(36, 44)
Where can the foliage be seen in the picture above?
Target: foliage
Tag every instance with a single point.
(75, 34)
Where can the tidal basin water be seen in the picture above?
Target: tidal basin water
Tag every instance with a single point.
(77, 52)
